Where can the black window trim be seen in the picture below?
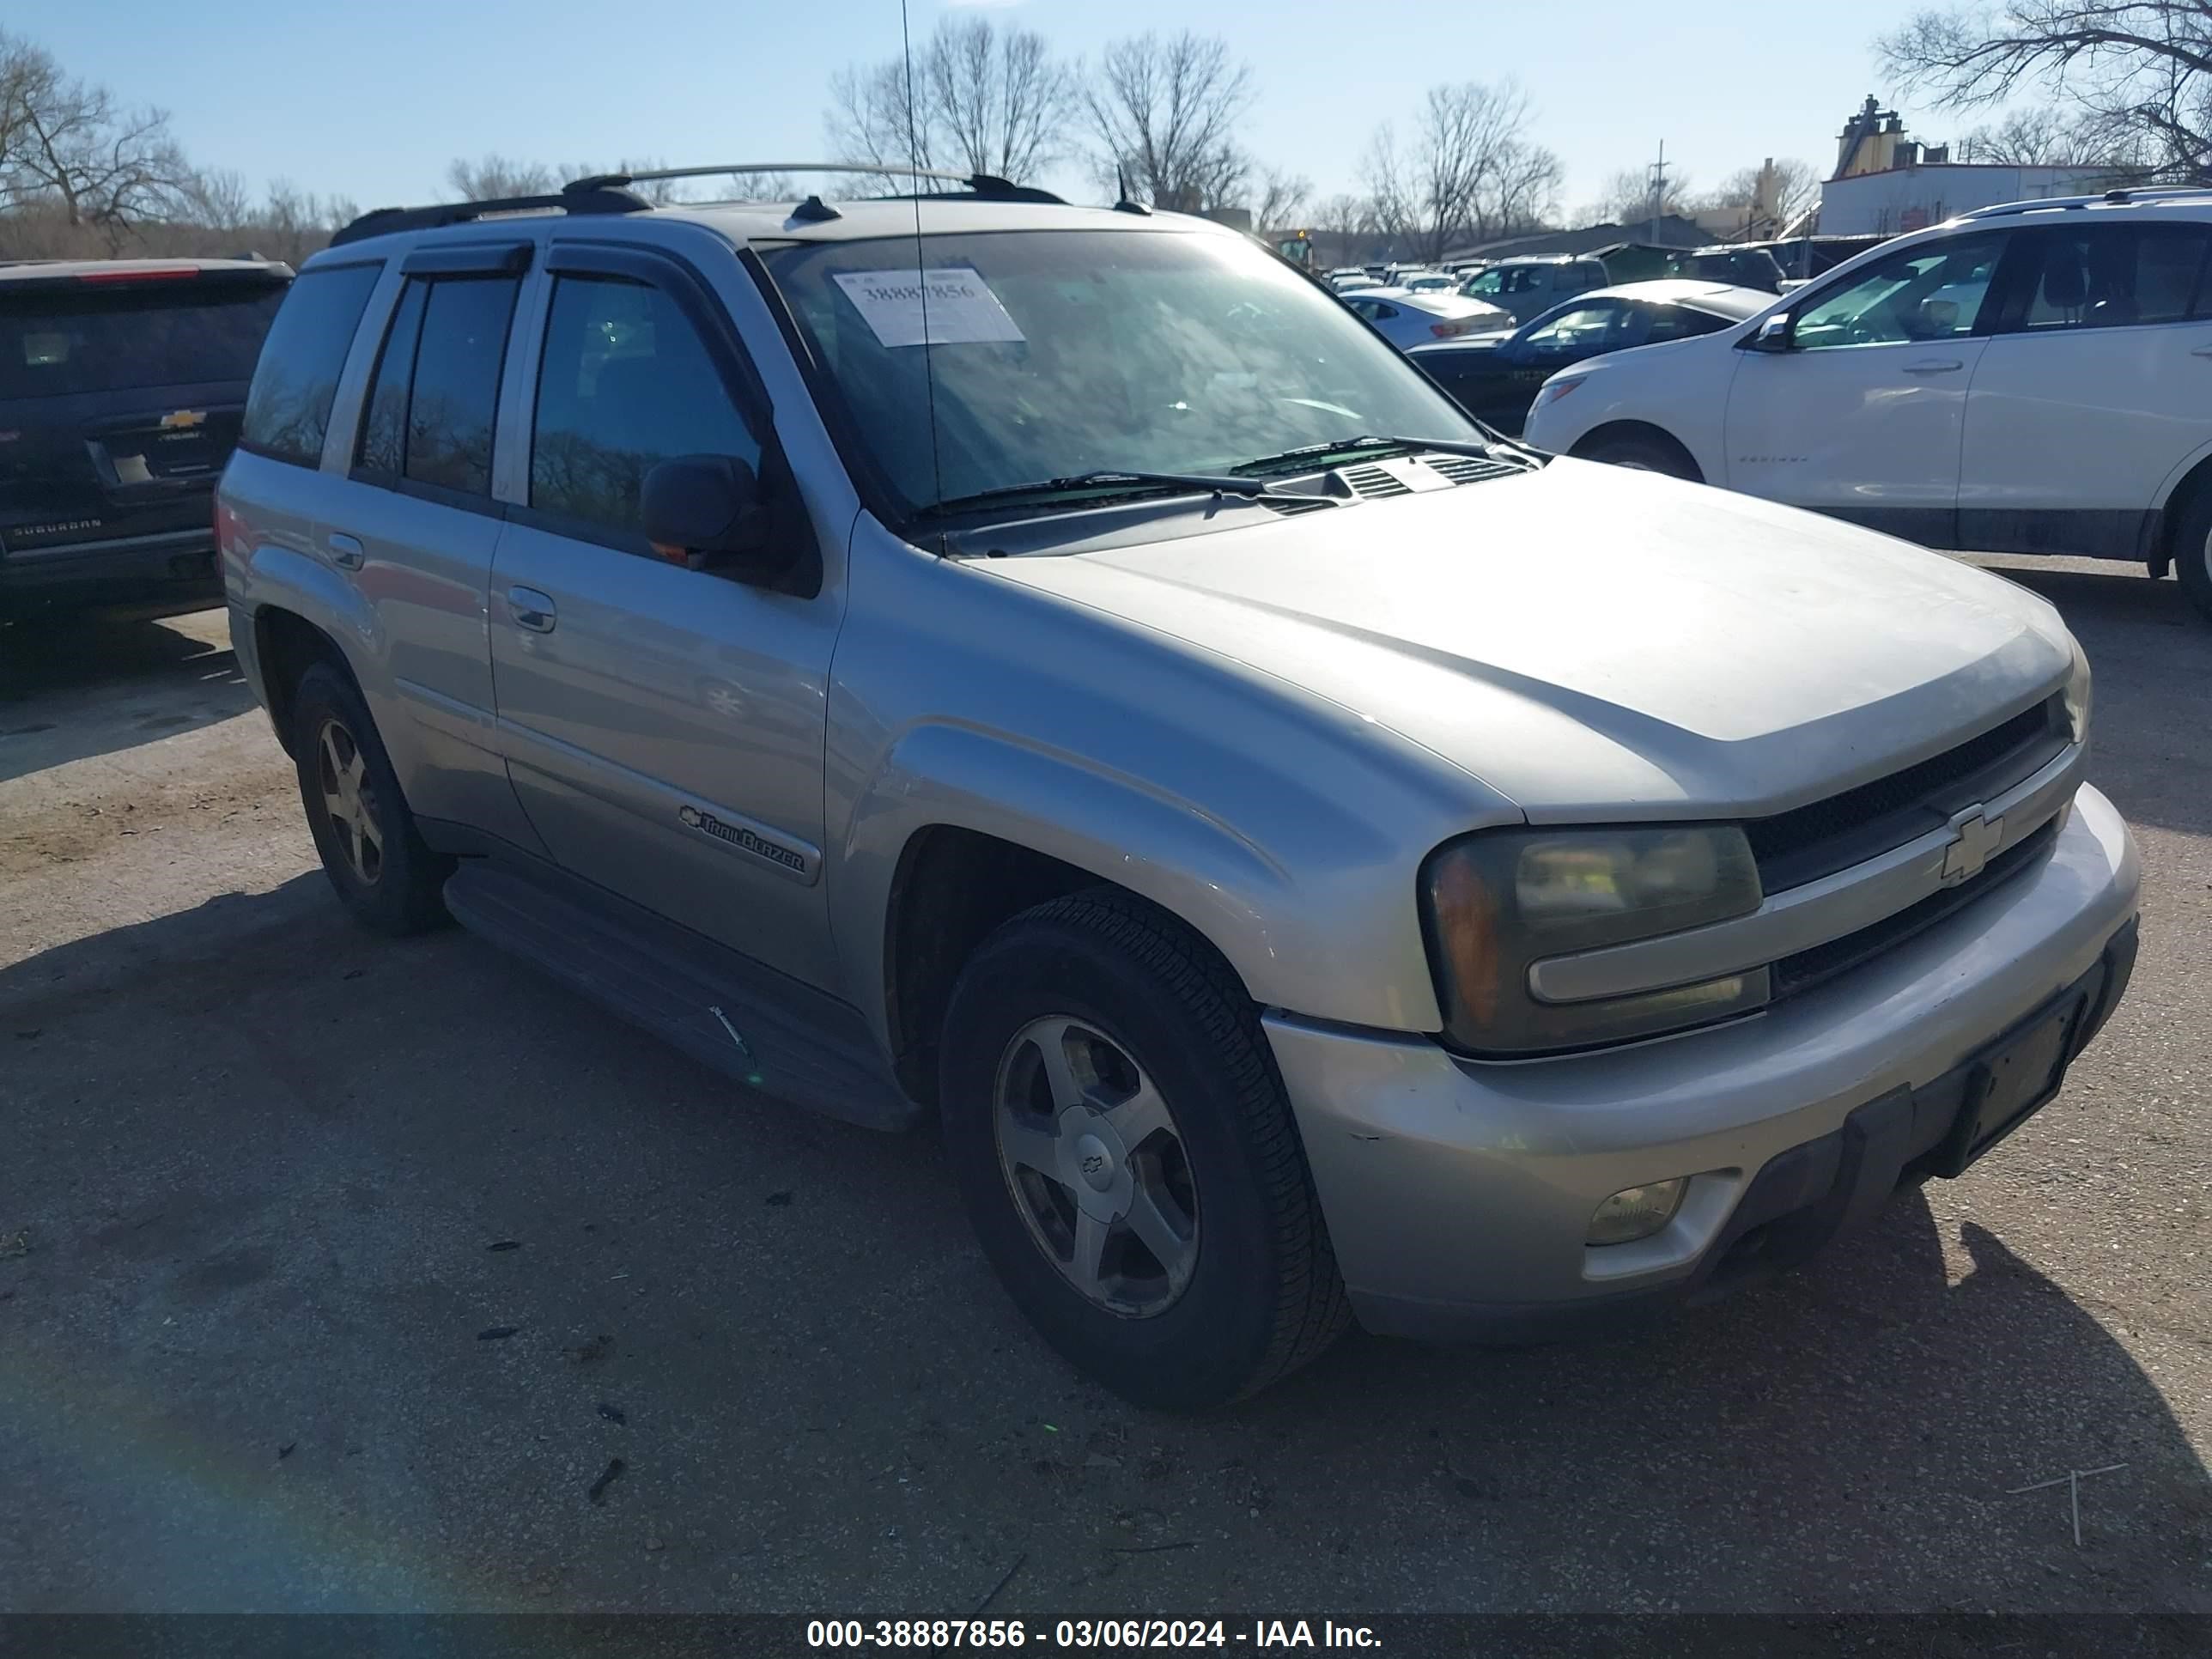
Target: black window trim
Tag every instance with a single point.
(486, 504)
(315, 268)
(677, 277)
(2013, 321)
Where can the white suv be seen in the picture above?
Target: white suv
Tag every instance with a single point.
(2035, 378)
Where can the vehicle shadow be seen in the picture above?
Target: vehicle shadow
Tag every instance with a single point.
(84, 687)
(1872, 1414)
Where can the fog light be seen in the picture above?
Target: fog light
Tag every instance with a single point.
(1636, 1212)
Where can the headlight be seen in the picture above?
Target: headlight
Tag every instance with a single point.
(2077, 697)
(1553, 390)
(1498, 900)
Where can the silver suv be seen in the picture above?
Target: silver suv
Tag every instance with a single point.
(1056, 672)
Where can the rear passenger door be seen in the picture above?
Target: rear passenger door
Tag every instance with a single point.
(2096, 385)
(664, 725)
(414, 527)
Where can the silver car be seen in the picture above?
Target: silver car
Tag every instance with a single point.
(1055, 672)
(1406, 319)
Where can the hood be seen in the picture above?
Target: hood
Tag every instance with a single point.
(1601, 644)
(1448, 351)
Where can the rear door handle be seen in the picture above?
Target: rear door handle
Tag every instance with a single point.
(1935, 366)
(346, 551)
(530, 609)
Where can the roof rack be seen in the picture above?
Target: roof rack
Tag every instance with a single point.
(980, 184)
(2132, 195)
(586, 196)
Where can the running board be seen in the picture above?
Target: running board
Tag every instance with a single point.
(746, 1021)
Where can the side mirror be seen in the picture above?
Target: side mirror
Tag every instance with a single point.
(1772, 334)
(708, 512)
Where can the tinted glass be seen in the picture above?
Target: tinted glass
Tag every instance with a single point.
(289, 409)
(151, 335)
(625, 384)
(449, 414)
(1680, 323)
(1932, 292)
(2113, 275)
(1601, 326)
(1062, 352)
(383, 433)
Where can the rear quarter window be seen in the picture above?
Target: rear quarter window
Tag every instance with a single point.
(287, 410)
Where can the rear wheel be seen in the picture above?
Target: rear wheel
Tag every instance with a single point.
(2192, 551)
(371, 851)
(1644, 452)
(1128, 1158)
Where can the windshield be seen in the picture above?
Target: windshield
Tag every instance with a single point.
(1060, 353)
(52, 343)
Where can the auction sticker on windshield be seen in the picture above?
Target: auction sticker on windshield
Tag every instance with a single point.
(960, 307)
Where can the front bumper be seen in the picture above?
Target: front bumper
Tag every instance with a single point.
(1458, 1193)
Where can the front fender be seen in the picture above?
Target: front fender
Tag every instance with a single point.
(1322, 921)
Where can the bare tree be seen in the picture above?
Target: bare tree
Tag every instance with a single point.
(66, 144)
(986, 98)
(2043, 135)
(2138, 72)
(1283, 201)
(1471, 172)
(1626, 198)
(1769, 203)
(1163, 112)
(491, 177)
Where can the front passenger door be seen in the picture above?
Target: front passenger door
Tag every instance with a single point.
(664, 725)
(1863, 416)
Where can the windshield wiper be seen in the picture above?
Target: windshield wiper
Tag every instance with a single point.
(1480, 451)
(1112, 481)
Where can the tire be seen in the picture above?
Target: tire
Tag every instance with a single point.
(383, 873)
(2193, 552)
(1644, 454)
(1258, 1294)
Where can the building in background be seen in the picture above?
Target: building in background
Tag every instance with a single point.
(1886, 183)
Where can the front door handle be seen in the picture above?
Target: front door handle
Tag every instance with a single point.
(2201, 351)
(530, 609)
(1935, 366)
(346, 551)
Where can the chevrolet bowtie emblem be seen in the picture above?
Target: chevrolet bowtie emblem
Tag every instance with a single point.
(184, 417)
(1974, 838)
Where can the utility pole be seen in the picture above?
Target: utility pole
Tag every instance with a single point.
(1658, 189)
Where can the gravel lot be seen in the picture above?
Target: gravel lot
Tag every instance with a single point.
(336, 1273)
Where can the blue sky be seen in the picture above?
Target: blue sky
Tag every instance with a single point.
(370, 100)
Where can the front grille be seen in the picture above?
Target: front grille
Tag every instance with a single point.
(1810, 842)
(1808, 968)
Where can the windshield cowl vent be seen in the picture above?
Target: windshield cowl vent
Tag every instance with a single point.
(1466, 469)
(1375, 482)
(1291, 506)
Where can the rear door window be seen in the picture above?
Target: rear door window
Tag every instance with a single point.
(435, 390)
(287, 410)
(112, 337)
(2113, 276)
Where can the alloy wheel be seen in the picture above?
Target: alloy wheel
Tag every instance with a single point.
(349, 802)
(1096, 1164)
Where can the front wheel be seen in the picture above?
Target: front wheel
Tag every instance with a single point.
(1128, 1158)
(1642, 454)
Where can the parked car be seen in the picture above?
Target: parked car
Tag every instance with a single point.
(1356, 280)
(1313, 859)
(1407, 319)
(1429, 282)
(2028, 378)
(1527, 287)
(121, 382)
(1739, 267)
(1494, 377)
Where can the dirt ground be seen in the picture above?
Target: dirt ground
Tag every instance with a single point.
(341, 1274)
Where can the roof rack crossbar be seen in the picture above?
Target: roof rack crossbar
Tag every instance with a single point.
(982, 184)
(383, 222)
(2125, 196)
